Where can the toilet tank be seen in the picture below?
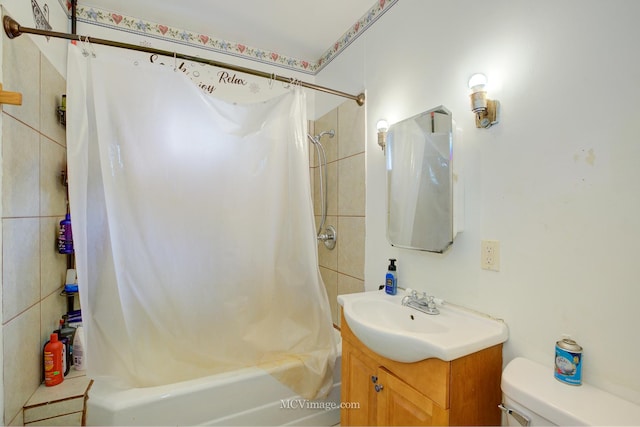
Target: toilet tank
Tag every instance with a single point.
(531, 389)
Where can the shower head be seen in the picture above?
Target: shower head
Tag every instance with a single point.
(331, 134)
(316, 139)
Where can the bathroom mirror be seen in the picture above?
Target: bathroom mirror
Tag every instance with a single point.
(419, 154)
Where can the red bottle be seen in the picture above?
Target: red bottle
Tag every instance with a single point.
(53, 354)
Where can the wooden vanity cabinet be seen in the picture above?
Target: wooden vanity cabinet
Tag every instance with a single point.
(380, 391)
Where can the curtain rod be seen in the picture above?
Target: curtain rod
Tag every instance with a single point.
(13, 30)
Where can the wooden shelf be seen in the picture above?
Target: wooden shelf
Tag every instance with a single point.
(13, 98)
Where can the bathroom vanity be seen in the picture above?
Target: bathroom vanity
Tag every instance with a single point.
(405, 365)
(464, 391)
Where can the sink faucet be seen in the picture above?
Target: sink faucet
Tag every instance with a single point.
(424, 303)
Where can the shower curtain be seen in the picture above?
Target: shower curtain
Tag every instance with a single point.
(193, 227)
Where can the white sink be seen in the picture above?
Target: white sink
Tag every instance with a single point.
(407, 335)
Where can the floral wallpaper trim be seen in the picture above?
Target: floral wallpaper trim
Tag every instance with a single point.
(104, 18)
(354, 32)
(95, 16)
(66, 6)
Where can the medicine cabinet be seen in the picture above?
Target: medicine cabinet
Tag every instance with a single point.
(424, 187)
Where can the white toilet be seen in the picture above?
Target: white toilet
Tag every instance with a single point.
(532, 396)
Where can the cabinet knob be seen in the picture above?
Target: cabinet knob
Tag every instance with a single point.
(374, 379)
(379, 388)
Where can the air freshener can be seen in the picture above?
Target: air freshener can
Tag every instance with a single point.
(568, 362)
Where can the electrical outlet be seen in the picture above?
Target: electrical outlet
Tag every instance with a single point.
(490, 255)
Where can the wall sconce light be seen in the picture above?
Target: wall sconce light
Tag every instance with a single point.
(382, 127)
(486, 110)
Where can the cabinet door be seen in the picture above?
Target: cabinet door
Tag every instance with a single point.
(400, 404)
(358, 393)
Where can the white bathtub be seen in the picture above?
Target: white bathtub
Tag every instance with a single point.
(249, 397)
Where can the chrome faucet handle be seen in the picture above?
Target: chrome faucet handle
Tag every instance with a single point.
(431, 306)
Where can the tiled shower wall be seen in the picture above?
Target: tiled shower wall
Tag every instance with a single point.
(33, 203)
(342, 268)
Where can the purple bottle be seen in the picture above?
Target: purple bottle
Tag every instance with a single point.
(65, 237)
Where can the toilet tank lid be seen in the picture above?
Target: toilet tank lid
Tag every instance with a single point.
(534, 387)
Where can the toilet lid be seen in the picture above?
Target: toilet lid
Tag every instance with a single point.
(534, 387)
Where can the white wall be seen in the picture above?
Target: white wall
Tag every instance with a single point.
(556, 182)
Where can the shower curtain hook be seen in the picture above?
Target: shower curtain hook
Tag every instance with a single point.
(85, 53)
(175, 61)
(272, 78)
(93, 52)
(292, 82)
(87, 47)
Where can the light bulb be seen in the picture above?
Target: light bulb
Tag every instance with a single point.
(382, 125)
(477, 81)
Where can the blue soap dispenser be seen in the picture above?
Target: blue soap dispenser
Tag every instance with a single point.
(391, 281)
